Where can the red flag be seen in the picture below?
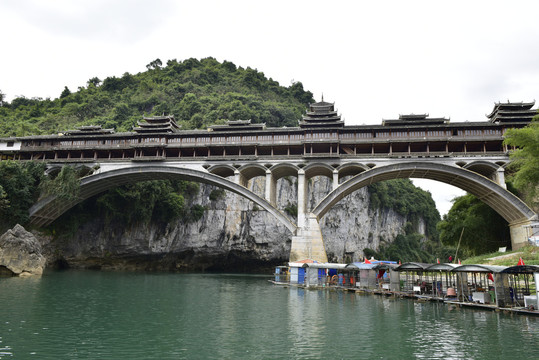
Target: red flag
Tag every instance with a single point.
(520, 261)
(438, 260)
(367, 261)
(400, 262)
(490, 277)
(459, 261)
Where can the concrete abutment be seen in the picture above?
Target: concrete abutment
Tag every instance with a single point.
(308, 243)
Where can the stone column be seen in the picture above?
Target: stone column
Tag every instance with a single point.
(302, 201)
(270, 188)
(335, 179)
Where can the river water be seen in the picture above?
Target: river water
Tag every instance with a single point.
(116, 315)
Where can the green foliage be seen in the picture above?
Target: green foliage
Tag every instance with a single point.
(402, 196)
(529, 254)
(217, 194)
(65, 93)
(65, 186)
(199, 93)
(19, 189)
(159, 200)
(410, 246)
(196, 213)
(525, 158)
(484, 229)
(291, 209)
(4, 201)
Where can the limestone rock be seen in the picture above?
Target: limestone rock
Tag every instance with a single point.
(20, 252)
(232, 229)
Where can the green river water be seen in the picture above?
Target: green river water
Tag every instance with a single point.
(117, 315)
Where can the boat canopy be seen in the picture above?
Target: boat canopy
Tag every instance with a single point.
(325, 266)
(317, 265)
(521, 269)
(360, 266)
(385, 266)
(479, 268)
(442, 267)
(412, 266)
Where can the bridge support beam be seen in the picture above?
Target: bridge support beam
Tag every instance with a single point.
(308, 244)
(500, 177)
(520, 232)
(335, 179)
(302, 199)
(270, 188)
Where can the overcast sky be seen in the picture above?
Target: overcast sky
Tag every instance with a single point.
(374, 59)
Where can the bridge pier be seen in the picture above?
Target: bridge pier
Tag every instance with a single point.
(308, 244)
(520, 232)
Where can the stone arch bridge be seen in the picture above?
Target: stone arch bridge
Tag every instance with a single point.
(482, 177)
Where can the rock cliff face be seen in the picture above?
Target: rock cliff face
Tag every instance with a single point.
(232, 234)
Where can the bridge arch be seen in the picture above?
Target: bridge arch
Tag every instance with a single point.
(49, 209)
(502, 201)
(318, 169)
(351, 169)
(222, 170)
(281, 170)
(485, 168)
(250, 171)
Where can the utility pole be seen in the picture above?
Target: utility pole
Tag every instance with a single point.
(456, 252)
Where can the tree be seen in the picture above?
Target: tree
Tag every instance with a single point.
(19, 182)
(156, 64)
(525, 165)
(95, 81)
(4, 202)
(65, 93)
(484, 229)
(65, 186)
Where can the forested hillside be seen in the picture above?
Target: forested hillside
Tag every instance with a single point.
(197, 93)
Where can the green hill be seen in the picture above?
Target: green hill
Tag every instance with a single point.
(197, 93)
